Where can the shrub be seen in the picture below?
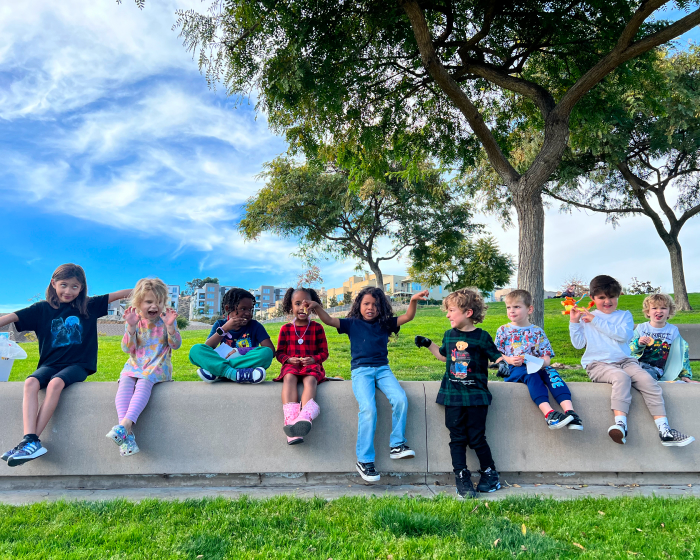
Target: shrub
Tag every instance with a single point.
(182, 322)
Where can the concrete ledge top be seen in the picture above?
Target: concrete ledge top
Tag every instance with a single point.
(199, 428)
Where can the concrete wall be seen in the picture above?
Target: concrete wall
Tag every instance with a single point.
(691, 334)
(193, 427)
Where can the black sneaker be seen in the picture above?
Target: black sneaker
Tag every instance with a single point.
(556, 420)
(403, 451)
(673, 438)
(15, 449)
(489, 481)
(618, 433)
(576, 423)
(367, 471)
(465, 486)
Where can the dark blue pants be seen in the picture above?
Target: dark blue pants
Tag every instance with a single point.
(539, 382)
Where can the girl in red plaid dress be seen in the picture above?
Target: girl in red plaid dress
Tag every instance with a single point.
(301, 349)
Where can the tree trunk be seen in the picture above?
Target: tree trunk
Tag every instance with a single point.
(374, 267)
(530, 209)
(680, 293)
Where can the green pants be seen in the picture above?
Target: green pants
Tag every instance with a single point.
(206, 357)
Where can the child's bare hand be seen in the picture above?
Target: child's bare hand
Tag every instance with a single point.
(587, 317)
(689, 380)
(169, 316)
(574, 315)
(131, 316)
(516, 360)
(294, 361)
(646, 341)
(307, 361)
(310, 305)
(234, 324)
(422, 295)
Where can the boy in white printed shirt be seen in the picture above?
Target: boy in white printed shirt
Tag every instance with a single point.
(606, 334)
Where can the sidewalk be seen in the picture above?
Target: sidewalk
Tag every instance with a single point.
(556, 491)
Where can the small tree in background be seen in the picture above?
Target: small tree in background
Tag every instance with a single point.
(197, 283)
(347, 298)
(310, 278)
(637, 287)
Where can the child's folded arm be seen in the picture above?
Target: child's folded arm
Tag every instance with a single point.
(618, 332)
(577, 335)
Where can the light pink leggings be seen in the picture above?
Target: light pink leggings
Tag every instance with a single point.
(132, 397)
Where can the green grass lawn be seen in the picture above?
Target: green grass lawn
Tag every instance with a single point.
(408, 362)
(386, 528)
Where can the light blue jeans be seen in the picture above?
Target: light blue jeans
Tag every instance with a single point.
(364, 381)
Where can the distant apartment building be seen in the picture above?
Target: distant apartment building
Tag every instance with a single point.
(116, 308)
(207, 300)
(395, 286)
(173, 297)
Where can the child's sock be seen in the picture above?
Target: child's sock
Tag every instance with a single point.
(621, 420)
(662, 424)
(31, 437)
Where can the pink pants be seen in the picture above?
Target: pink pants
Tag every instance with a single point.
(132, 397)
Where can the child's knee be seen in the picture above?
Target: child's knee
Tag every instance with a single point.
(399, 401)
(32, 384)
(56, 384)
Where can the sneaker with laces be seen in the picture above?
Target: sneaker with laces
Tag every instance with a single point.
(465, 486)
(117, 434)
(673, 438)
(250, 375)
(556, 420)
(129, 446)
(618, 433)
(576, 423)
(207, 377)
(15, 449)
(367, 471)
(29, 451)
(489, 481)
(403, 451)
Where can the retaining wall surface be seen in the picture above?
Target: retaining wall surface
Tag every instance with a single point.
(194, 427)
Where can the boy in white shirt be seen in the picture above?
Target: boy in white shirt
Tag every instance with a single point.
(652, 341)
(606, 334)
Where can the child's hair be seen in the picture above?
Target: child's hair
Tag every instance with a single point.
(465, 299)
(605, 285)
(287, 301)
(65, 272)
(233, 297)
(155, 285)
(522, 295)
(659, 299)
(383, 306)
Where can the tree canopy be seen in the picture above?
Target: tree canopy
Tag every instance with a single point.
(347, 204)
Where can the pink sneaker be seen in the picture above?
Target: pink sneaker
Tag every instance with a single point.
(291, 411)
(302, 424)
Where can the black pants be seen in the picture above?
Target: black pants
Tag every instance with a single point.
(467, 426)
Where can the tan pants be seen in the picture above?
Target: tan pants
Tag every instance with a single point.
(623, 376)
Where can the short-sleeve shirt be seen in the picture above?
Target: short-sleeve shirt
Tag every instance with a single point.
(465, 382)
(65, 337)
(518, 341)
(368, 341)
(249, 336)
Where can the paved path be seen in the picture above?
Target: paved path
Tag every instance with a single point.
(559, 492)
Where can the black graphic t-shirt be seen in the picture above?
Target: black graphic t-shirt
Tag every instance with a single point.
(65, 338)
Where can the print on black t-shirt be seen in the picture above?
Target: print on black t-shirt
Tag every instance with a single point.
(65, 333)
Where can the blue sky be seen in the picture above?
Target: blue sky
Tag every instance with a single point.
(117, 156)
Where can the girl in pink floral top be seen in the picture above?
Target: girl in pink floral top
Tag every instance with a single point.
(151, 336)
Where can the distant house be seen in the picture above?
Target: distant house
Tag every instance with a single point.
(395, 286)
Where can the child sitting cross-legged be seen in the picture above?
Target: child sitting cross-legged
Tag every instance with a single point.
(466, 351)
(658, 345)
(519, 339)
(606, 334)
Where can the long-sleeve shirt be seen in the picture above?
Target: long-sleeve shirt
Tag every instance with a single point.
(656, 354)
(606, 338)
(149, 349)
(313, 344)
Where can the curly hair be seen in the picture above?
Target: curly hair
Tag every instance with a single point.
(155, 285)
(465, 299)
(659, 299)
(383, 306)
(287, 301)
(66, 272)
(605, 285)
(232, 298)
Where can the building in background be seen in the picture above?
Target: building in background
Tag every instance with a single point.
(395, 286)
(174, 297)
(207, 300)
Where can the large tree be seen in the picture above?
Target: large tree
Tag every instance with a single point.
(434, 68)
(645, 148)
(346, 206)
(474, 262)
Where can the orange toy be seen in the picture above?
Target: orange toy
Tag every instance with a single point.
(570, 303)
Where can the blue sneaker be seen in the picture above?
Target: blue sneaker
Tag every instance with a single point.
(250, 375)
(207, 377)
(15, 449)
(129, 446)
(29, 451)
(117, 434)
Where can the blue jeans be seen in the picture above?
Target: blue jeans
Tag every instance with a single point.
(364, 381)
(538, 383)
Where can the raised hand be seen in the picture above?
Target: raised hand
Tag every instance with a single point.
(422, 341)
(423, 295)
(169, 316)
(131, 316)
(234, 324)
(310, 305)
